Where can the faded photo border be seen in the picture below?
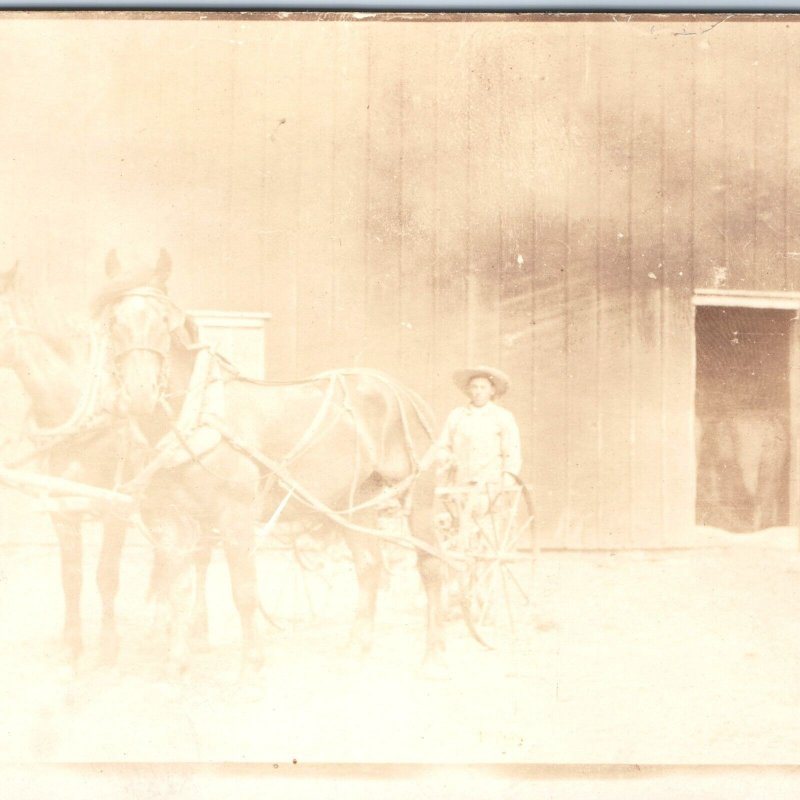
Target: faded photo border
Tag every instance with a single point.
(399, 782)
(432, 6)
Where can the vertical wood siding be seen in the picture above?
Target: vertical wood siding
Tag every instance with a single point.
(789, 76)
(451, 208)
(646, 291)
(676, 232)
(544, 196)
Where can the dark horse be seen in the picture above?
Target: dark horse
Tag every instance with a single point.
(743, 468)
(77, 436)
(232, 452)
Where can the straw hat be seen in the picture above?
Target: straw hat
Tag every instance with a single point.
(501, 381)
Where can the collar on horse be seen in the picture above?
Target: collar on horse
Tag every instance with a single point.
(88, 409)
(191, 434)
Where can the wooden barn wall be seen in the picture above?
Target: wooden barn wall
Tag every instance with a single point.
(419, 196)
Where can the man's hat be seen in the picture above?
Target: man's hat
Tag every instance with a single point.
(501, 381)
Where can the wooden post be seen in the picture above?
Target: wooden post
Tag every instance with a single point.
(794, 426)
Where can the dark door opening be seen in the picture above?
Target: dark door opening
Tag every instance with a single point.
(742, 417)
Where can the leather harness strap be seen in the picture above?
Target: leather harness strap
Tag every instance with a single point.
(277, 471)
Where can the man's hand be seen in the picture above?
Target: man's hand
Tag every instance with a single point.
(444, 459)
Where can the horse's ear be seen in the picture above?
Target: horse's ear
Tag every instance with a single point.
(8, 279)
(164, 265)
(113, 267)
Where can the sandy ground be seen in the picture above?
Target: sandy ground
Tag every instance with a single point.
(685, 657)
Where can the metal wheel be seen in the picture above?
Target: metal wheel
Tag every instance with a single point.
(492, 534)
(300, 564)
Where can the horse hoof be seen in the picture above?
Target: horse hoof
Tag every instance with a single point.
(72, 648)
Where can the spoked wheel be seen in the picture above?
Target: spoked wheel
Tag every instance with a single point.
(495, 543)
(301, 562)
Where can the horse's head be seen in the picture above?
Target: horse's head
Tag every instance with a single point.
(140, 320)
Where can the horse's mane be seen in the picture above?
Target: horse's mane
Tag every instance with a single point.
(37, 311)
(133, 279)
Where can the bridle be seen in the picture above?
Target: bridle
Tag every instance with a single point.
(139, 344)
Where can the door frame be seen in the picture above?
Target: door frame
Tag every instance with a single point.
(777, 301)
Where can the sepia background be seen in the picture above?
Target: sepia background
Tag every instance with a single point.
(604, 208)
(416, 196)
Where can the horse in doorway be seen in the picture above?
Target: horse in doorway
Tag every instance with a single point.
(743, 464)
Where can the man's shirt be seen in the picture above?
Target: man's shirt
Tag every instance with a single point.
(483, 441)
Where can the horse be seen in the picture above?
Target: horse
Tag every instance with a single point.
(76, 430)
(234, 452)
(744, 459)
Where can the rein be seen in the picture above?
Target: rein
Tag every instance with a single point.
(300, 492)
(419, 463)
(277, 470)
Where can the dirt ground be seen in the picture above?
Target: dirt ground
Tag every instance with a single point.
(684, 657)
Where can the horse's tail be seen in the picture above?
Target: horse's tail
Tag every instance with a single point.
(416, 422)
(395, 409)
(411, 403)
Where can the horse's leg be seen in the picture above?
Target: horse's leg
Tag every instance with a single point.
(432, 572)
(68, 529)
(199, 629)
(108, 583)
(239, 540)
(368, 563)
(177, 537)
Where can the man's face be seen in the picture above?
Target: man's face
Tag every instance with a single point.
(481, 391)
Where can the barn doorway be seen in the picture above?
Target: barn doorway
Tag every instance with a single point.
(742, 416)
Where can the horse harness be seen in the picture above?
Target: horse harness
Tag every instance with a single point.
(136, 342)
(200, 428)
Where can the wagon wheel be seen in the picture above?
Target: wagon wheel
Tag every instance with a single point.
(300, 582)
(311, 547)
(496, 542)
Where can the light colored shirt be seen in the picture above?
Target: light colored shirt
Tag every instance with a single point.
(484, 443)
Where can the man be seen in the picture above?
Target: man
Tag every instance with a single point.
(479, 455)
(480, 443)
